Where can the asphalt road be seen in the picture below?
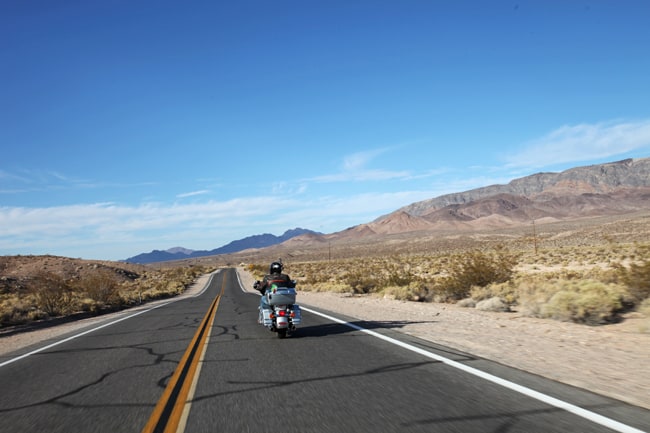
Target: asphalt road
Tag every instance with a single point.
(327, 377)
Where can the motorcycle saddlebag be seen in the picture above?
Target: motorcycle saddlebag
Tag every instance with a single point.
(297, 318)
(266, 317)
(281, 296)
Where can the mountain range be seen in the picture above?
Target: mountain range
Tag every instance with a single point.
(613, 188)
(255, 241)
(596, 190)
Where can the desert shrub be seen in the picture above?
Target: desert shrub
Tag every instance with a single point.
(414, 293)
(18, 309)
(53, 295)
(507, 291)
(101, 287)
(494, 303)
(636, 276)
(534, 292)
(87, 305)
(258, 270)
(397, 273)
(162, 284)
(47, 294)
(644, 308)
(255, 268)
(360, 281)
(326, 287)
(171, 288)
(399, 279)
(170, 282)
(466, 303)
(476, 268)
(590, 302)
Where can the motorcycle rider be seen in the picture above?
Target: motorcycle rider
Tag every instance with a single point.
(275, 276)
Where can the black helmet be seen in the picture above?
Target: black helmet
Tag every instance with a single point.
(275, 268)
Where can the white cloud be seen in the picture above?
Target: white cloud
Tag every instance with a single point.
(11, 176)
(288, 188)
(358, 160)
(353, 169)
(20, 221)
(583, 143)
(193, 193)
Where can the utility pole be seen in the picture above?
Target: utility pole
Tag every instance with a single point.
(534, 237)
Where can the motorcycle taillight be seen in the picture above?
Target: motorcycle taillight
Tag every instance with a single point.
(282, 313)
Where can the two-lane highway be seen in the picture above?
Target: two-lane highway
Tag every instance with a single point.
(330, 376)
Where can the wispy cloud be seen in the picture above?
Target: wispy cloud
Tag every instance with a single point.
(12, 177)
(31, 180)
(97, 226)
(584, 142)
(288, 188)
(193, 193)
(353, 169)
(357, 161)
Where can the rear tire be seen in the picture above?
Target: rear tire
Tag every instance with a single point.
(282, 333)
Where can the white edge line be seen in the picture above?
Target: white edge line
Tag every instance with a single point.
(81, 334)
(65, 340)
(591, 416)
(241, 286)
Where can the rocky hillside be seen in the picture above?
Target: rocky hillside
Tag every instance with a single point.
(598, 190)
(601, 179)
(16, 271)
(615, 188)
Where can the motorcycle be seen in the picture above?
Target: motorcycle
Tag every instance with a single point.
(279, 311)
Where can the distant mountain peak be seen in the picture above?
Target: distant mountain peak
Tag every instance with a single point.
(255, 241)
(179, 250)
(398, 222)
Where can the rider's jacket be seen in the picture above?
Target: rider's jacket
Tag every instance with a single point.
(281, 280)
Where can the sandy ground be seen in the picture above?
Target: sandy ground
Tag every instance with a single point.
(612, 360)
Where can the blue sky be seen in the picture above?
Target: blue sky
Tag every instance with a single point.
(128, 126)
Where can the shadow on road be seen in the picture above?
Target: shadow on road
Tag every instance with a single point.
(337, 328)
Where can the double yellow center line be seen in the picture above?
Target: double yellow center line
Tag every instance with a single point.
(171, 408)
